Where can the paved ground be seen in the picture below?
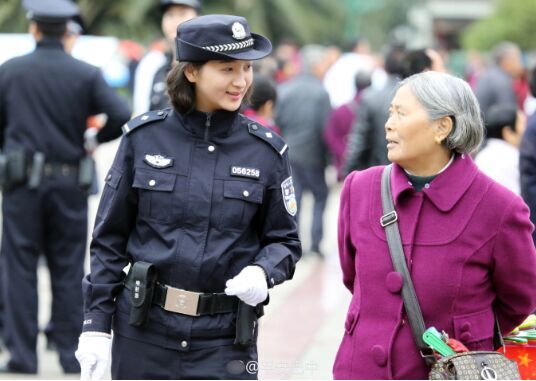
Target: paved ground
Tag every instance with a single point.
(303, 324)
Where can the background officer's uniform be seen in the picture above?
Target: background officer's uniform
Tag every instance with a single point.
(201, 196)
(45, 99)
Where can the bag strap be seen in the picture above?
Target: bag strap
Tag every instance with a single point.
(396, 250)
(411, 303)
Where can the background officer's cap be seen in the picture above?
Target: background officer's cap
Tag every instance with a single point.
(50, 11)
(196, 4)
(219, 37)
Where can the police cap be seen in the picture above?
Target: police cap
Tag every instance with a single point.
(219, 37)
(50, 11)
(196, 4)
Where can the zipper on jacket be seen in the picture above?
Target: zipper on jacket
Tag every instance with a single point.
(207, 126)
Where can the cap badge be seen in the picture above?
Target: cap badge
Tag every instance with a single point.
(239, 33)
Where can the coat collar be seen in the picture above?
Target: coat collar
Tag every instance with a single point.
(221, 123)
(446, 189)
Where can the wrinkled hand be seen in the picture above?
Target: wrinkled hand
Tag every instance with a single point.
(93, 354)
(249, 285)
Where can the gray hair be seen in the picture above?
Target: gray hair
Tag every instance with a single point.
(311, 55)
(503, 50)
(443, 95)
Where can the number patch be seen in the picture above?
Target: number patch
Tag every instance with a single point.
(252, 173)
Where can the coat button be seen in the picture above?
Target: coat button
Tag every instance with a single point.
(245, 193)
(394, 282)
(160, 113)
(427, 185)
(211, 148)
(466, 326)
(379, 355)
(466, 336)
(184, 343)
(109, 177)
(254, 127)
(152, 183)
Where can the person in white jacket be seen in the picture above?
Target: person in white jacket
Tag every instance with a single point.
(150, 77)
(499, 159)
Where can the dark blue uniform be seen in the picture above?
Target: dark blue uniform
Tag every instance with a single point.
(45, 99)
(201, 196)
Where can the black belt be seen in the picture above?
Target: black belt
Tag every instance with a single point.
(60, 170)
(189, 303)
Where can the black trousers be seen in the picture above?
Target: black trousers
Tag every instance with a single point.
(313, 180)
(136, 360)
(50, 221)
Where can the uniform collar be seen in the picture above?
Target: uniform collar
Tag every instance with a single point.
(446, 189)
(49, 43)
(221, 123)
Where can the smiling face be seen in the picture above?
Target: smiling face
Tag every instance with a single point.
(413, 140)
(220, 85)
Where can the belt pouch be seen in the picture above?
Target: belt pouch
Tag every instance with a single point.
(246, 324)
(143, 279)
(16, 168)
(86, 171)
(36, 170)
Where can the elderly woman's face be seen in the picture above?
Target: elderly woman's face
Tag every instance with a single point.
(412, 138)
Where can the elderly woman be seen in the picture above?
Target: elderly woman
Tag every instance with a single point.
(467, 239)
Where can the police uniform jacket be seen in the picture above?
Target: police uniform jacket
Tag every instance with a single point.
(45, 99)
(469, 251)
(201, 196)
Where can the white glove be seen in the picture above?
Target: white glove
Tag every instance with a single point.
(93, 354)
(249, 285)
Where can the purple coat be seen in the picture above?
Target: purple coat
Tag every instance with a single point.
(468, 243)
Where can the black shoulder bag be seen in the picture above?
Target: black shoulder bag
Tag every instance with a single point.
(472, 365)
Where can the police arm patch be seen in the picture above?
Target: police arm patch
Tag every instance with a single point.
(289, 196)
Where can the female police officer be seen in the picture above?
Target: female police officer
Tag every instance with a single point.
(205, 196)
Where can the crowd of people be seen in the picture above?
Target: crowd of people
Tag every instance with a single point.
(200, 211)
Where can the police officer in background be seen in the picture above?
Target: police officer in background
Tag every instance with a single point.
(200, 203)
(45, 98)
(150, 77)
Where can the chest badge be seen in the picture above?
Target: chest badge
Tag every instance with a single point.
(252, 173)
(289, 196)
(158, 161)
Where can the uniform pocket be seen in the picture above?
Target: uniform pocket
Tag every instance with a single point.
(156, 194)
(241, 200)
(475, 330)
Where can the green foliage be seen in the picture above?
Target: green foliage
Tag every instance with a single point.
(305, 21)
(513, 20)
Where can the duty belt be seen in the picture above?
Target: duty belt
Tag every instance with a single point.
(188, 302)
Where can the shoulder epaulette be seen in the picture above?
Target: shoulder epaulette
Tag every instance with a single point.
(270, 137)
(144, 119)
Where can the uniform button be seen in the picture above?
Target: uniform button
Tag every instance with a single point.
(184, 343)
(245, 193)
(211, 148)
(466, 326)
(394, 282)
(272, 280)
(109, 177)
(160, 113)
(378, 355)
(427, 185)
(152, 183)
(254, 127)
(403, 322)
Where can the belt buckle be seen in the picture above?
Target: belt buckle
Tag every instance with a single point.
(181, 301)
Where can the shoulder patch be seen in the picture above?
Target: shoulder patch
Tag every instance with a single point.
(144, 119)
(268, 136)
